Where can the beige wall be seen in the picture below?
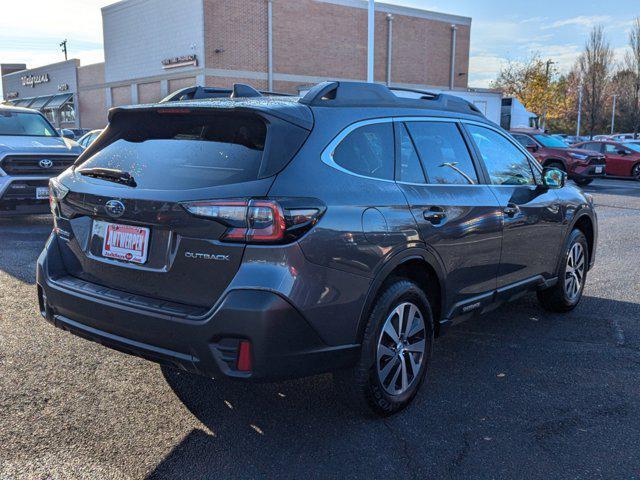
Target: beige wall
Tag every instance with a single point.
(121, 95)
(179, 83)
(93, 111)
(149, 92)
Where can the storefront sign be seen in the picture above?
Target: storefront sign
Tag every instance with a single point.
(11, 95)
(183, 61)
(33, 80)
(63, 87)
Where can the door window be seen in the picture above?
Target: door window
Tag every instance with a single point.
(505, 163)
(596, 147)
(443, 153)
(368, 151)
(613, 149)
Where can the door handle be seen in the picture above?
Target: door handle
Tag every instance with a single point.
(511, 210)
(434, 215)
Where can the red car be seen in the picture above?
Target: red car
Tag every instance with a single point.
(581, 165)
(623, 159)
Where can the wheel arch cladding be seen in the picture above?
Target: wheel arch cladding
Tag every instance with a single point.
(414, 266)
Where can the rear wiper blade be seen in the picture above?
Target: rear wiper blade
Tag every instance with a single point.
(109, 174)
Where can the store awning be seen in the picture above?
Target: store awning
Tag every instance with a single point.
(58, 100)
(41, 102)
(23, 102)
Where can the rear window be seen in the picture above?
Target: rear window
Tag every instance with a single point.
(184, 151)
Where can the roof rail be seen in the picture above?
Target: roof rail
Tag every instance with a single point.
(241, 90)
(360, 94)
(425, 93)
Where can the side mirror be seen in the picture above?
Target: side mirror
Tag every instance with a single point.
(553, 177)
(532, 148)
(622, 152)
(68, 134)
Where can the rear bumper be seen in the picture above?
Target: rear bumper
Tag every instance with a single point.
(283, 343)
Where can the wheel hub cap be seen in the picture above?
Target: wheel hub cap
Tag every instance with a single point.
(401, 348)
(574, 272)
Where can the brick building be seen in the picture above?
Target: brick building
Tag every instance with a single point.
(154, 47)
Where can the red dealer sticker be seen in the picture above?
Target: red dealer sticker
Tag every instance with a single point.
(126, 242)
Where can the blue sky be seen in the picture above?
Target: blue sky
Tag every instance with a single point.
(501, 30)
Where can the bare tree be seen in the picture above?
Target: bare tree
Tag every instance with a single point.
(632, 64)
(595, 65)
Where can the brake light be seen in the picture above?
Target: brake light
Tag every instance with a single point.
(260, 220)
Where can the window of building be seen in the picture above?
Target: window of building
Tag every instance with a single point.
(368, 151)
(506, 164)
(443, 153)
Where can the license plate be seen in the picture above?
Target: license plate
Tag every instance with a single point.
(599, 169)
(42, 193)
(123, 242)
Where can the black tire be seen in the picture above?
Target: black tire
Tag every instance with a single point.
(635, 171)
(558, 165)
(556, 298)
(360, 386)
(583, 182)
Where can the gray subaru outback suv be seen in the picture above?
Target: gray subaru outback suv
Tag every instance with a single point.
(262, 238)
(31, 152)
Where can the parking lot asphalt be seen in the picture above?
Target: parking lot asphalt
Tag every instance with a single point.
(517, 393)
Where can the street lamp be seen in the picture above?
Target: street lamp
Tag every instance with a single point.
(370, 43)
(613, 113)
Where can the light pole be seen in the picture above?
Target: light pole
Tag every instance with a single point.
(544, 115)
(63, 44)
(613, 114)
(579, 110)
(370, 43)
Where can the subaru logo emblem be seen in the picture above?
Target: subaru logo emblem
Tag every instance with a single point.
(115, 208)
(45, 163)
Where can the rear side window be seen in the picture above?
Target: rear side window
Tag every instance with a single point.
(524, 140)
(368, 151)
(443, 152)
(185, 151)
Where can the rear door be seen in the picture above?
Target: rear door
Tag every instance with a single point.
(137, 236)
(533, 229)
(459, 217)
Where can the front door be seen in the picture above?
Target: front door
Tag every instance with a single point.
(618, 164)
(458, 216)
(533, 230)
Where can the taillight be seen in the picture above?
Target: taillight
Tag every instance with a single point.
(260, 220)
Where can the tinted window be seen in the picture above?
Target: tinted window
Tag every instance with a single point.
(597, 147)
(612, 148)
(550, 141)
(410, 169)
(506, 164)
(524, 140)
(25, 124)
(368, 151)
(184, 151)
(443, 153)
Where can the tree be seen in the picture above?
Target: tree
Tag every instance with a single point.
(595, 65)
(632, 64)
(535, 83)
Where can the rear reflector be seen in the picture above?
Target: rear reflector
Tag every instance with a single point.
(244, 356)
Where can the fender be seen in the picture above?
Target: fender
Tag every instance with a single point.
(415, 252)
(581, 212)
(557, 160)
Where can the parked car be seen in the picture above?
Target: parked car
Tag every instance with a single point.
(623, 160)
(283, 237)
(581, 165)
(89, 137)
(31, 152)
(622, 137)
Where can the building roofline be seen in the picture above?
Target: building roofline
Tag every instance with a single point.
(401, 10)
(50, 65)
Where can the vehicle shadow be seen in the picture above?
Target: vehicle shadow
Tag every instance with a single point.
(301, 428)
(22, 240)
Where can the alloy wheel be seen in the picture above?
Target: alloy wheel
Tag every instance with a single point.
(401, 348)
(574, 273)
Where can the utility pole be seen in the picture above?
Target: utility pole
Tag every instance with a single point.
(613, 114)
(579, 110)
(370, 44)
(63, 44)
(544, 115)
